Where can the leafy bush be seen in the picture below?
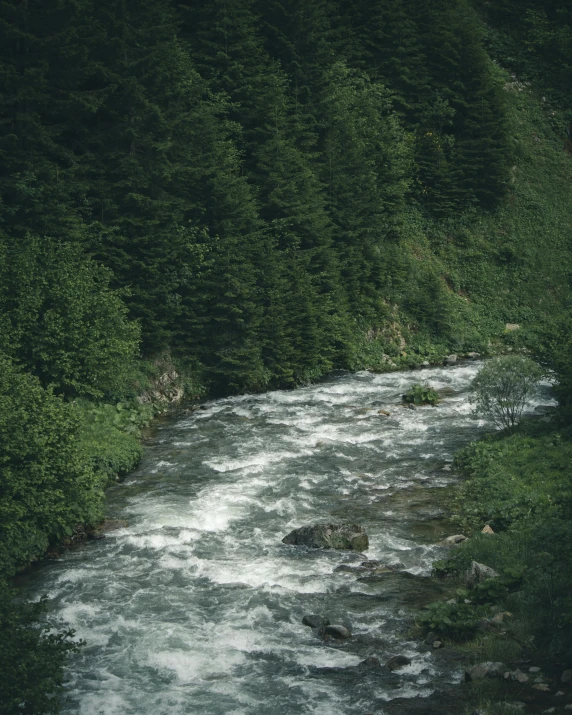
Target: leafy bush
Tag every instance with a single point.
(61, 320)
(421, 395)
(455, 620)
(503, 387)
(31, 657)
(46, 485)
(513, 479)
(522, 485)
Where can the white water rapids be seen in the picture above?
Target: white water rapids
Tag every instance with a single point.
(196, 606)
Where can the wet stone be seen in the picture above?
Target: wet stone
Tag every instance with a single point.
(337, 632)
(370, 662)
(453, 540)
(314, 621)
(329, 536)
(397, 662)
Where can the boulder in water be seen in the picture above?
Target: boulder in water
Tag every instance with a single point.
(378, 567)
(329, 536)
(338, 632)
(398, 661)
(371, 662)
(314, 621)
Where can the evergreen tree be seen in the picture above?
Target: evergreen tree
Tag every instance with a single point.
(430, 55)
(365, 162)
(227, 44)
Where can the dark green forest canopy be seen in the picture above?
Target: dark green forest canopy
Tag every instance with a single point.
(270, 190)
(243, 170)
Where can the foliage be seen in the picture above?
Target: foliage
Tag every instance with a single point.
(522, 485)
(62, 322)
(31, 657)
(455, 620)
(552, 346)
(268, 191)
(46, 486)
(503, 388)
(512, 479)
(421, 395)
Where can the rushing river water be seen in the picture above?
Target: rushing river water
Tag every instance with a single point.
(196, 606)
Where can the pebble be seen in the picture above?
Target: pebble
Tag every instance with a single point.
(534, 669)
(560, 692)
(542, 687)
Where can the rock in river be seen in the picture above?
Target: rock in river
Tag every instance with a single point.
(339, 632)
(315, 621)
(398, 661)
(329, 536)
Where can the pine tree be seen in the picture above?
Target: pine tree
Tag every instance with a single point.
(227, 45)
(365, 162)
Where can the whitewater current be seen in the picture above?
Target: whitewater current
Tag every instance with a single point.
(196, 606)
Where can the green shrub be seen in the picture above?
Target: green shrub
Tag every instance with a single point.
(46, 485)
(421, 395)
(454, 620)
(31, 657)
(503, 387)
(61, 320)
(512, 479)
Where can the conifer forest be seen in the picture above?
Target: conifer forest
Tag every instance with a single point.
(213, 198)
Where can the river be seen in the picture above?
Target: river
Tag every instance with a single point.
(196, 606)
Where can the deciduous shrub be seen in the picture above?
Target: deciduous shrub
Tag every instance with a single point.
(31, 657)
(421, 395)
(503, 387)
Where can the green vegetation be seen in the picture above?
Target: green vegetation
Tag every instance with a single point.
(520, 484)
(517, 483)
(31, 657)
(263, 192)
(503, 388)
(421, 395)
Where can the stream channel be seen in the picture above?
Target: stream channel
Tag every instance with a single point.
(196, 606)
